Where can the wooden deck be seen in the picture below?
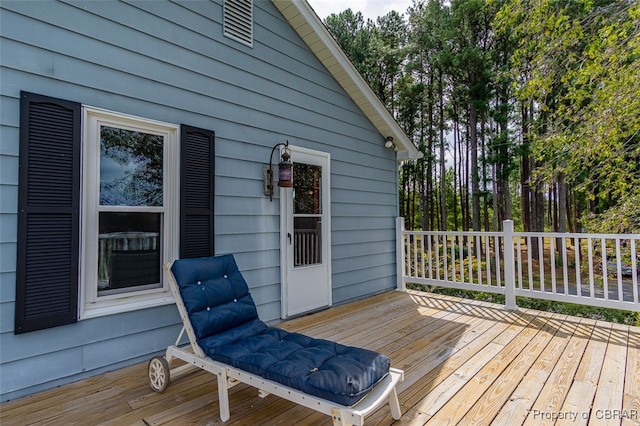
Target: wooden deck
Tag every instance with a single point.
(465, 363)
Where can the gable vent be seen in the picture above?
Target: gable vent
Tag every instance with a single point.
(238, 20)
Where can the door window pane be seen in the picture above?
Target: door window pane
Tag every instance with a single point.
(130, 168)
(128, 251)
(307, 181)
(307, 214)
(307, 244)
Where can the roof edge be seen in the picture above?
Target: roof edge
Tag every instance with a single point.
(346, 74)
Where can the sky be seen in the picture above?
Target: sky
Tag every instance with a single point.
(371, 9)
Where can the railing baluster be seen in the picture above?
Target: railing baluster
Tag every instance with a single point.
(541, 263)
(407, 258)
(552, 263)
(519, 251)
(305, 249)
(454, 270)
(530, 262)
(578, 263)
(437, 241)
(429, 238)
(488, 260)
(605, 271)
(592, 291)
(634, 269)
(422, 252)
(509, 267)
(445, 240)
(461, 258)
(479, 258)
(565, 270)
(496, 252)
(619, 267)
(469, 260)
(415, 254)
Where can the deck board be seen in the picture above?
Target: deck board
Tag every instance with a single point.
(610, 392)
(496, 395)
(465, 362)
(632, 380)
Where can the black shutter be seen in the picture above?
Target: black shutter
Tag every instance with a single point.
(48, 213)
(196, 192)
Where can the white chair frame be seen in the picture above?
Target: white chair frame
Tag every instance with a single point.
(228, 376)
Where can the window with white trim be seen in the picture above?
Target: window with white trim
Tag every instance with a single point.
(130, 217)
(147, 196)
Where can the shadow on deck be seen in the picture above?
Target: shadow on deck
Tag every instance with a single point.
(465, 362)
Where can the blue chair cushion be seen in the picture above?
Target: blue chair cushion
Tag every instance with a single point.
(217, 298)
(214, 293)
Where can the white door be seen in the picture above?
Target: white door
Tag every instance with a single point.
(306, 234)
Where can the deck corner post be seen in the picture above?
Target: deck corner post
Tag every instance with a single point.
(509, 267)
(401, 285)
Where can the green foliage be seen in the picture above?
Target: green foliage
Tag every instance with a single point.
(622, 218)
(578, 61)
(530, 94)
(516, 98)
(376, 50)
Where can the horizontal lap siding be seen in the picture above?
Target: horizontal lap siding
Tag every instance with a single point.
(27, 359)
(168, 61)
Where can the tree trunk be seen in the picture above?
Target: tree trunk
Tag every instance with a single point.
(525, 174)
(485, 192)
(475, 178)
(562, 203)
(443, 161)
(455, 177)
(465, 187)
(496, 195)
(562, 208)
(503, 171)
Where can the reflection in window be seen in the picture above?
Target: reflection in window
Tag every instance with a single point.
(307, 245)
(128, 251)
(307, 214)
(307, 181)
(130, 168)
(130, 207)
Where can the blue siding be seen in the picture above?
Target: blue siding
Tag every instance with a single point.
(168, 61)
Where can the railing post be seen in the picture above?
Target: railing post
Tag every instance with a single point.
(400, 282)
(509, 267)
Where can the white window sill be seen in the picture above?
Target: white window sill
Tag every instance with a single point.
(122, 306)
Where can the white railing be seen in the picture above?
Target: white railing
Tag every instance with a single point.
(591, 269)
(306, 247)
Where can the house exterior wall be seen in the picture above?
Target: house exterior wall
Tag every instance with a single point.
(168, 61)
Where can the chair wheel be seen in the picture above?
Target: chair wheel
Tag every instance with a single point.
(159, 375)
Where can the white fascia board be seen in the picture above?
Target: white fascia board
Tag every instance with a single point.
(332, 56)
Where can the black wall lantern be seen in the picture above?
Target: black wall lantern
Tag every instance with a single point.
(285, 171)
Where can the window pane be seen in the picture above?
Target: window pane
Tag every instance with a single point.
(307, 245)
(307, 181)
(128, 251)
(130, 168)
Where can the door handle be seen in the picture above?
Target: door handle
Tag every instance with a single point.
(289, 237)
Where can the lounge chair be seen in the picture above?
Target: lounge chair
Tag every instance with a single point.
(229, 340)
